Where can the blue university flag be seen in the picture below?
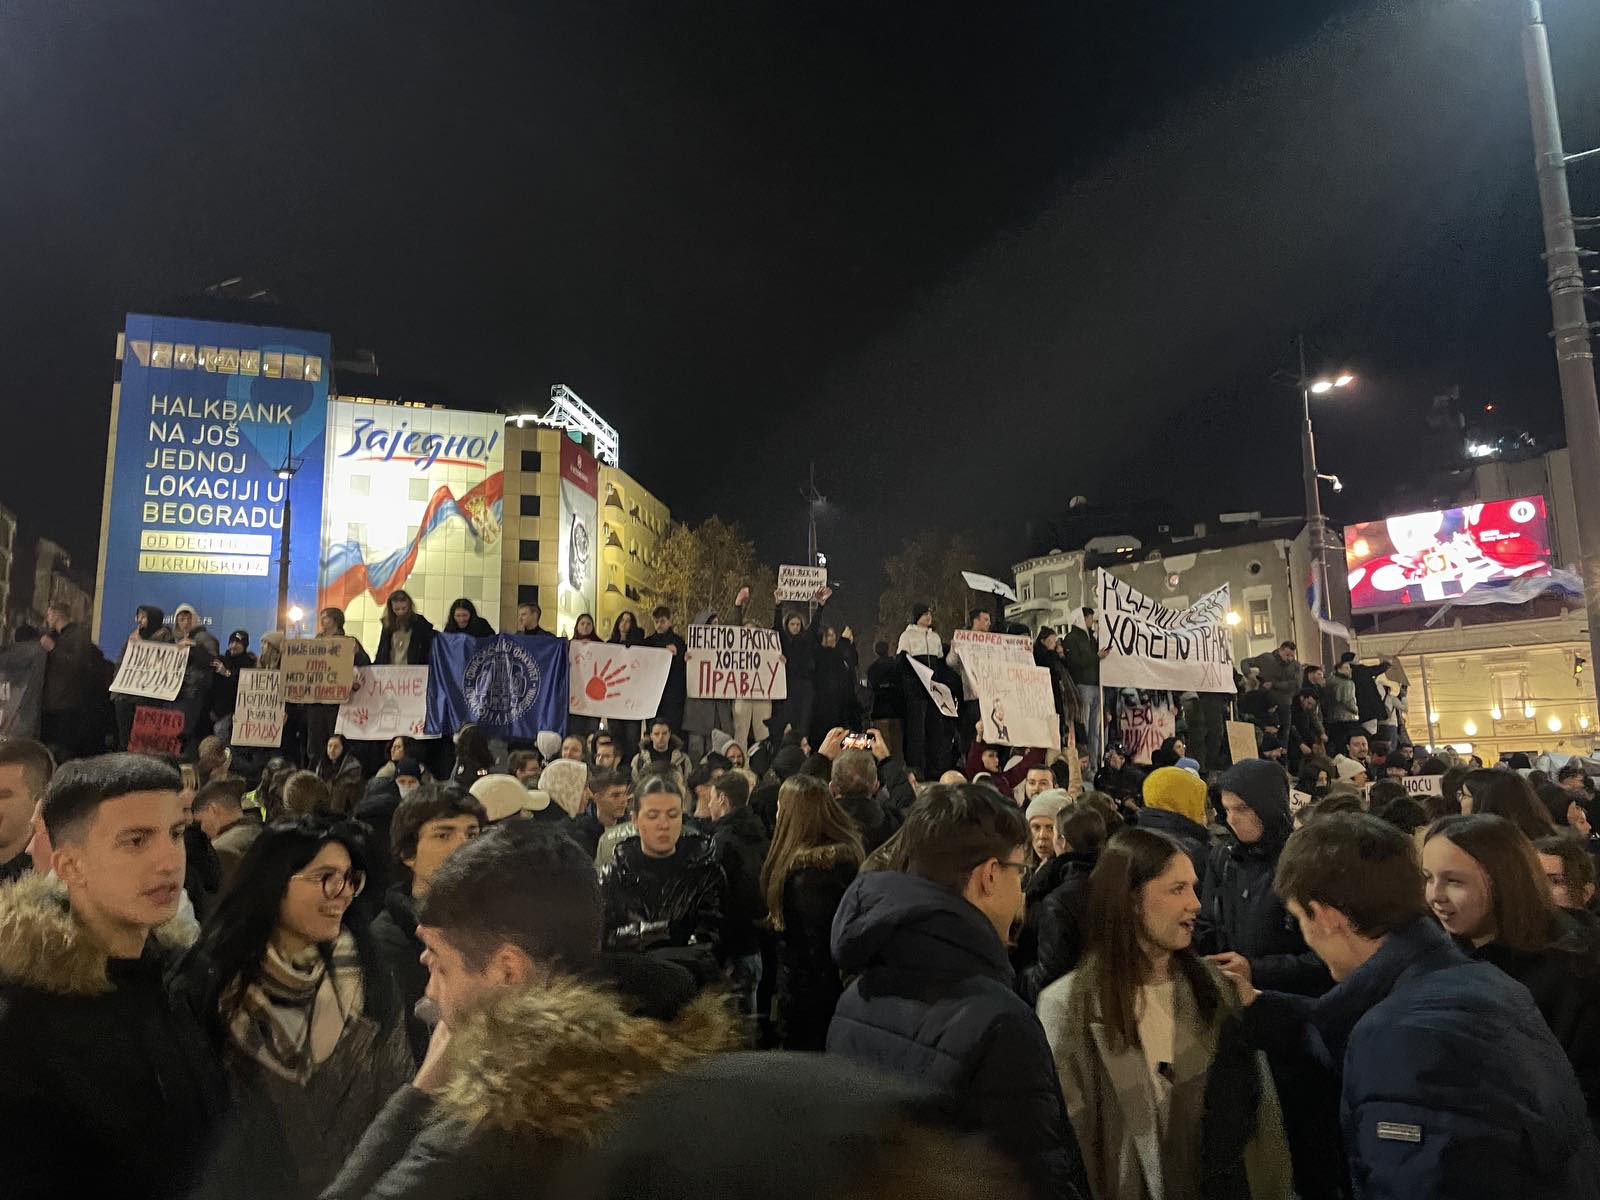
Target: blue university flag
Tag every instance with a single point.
(510, 686)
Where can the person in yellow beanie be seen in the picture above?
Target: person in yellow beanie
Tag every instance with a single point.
(1175, 804)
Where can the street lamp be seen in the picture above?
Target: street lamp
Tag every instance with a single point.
(1317, 386)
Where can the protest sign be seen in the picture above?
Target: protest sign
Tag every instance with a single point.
(730, 662)
(153, 670)
(983, 583)
(1144, 720)
(258, 716)
(1149, 645)
(21, 689)
(1415, 785)
(1241, 740)
(510, 686)
(1299, 800)
(156, 730)
(942, 699)
(1018, 707)
(318, 670)
(389, 702)
(801, 583)
(984, 652)
(621, 682)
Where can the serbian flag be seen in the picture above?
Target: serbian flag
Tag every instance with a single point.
(509, 686)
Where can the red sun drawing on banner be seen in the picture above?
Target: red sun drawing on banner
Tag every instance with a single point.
(605, 678)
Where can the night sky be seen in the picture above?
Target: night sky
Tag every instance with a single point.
(972, 259)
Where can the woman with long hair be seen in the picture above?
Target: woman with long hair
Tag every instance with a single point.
(399, 747)
(299, 1008)
(464, 618)
(583, 628)
(1487, 888)
(1166, 1097)
(407, 637)
(1508, 795)
(578, 725)
(815, 853)
(625, 629)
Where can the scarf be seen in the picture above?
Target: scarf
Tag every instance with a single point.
(290, 1019)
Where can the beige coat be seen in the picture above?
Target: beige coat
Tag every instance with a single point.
(1111, 1101)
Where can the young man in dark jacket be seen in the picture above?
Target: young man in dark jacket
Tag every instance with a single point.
(107, 1087)
(933, 997)
(675, 696)
(1448, 1081)
(741, 842)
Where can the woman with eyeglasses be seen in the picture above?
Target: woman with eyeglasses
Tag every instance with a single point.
(299, 1008)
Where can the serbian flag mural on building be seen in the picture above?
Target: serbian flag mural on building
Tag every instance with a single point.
(509, 685)
(414, 501)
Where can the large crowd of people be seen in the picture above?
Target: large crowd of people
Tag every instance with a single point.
(681, 956)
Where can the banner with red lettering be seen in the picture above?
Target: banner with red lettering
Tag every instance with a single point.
(730, 662)
(386, 702)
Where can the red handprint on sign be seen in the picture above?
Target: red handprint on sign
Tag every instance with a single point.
(604, 679)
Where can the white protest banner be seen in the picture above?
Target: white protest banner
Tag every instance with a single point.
(387, 702)
(622, 682)
(730, 662)
(1018, 707)
(1415, 785)
(318, 670)
(258, 716)
(983, 583)
(981, 653)
(942, 699)
(801, 583)
(153, 670)
(1152, 646)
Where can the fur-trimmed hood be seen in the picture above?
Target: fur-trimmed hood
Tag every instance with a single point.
(42, 946)
(558, 1058)
(820, 858)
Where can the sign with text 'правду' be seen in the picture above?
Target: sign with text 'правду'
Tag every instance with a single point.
(258, 715)
(730, 662)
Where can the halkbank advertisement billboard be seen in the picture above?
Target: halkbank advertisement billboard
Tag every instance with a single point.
(201, 422)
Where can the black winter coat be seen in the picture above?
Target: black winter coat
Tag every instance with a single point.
(420, 646)
(933, 1000)
(657, 902)
(675, 696)
(741, 841)
(107, 1087)
(809, 986)
(394, 937)
(799, 650)
(1565, 982)
(888, 697)
(1240, 912)
(873, 820)
(1058, 920)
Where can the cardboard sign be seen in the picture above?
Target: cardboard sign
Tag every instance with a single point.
(1299, 799)
(390, 702)
(983, 583)
(1241, 740)
(801, 583)
(940, 695)
(153, 670)
(156, 730)
(1018, 706)
(258, 716)
(621, 682)
(730, 662)
(1152, 646)
(318, 670)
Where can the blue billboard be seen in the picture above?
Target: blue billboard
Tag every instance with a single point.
(204, 419)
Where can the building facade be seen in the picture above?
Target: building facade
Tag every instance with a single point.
(633, 524)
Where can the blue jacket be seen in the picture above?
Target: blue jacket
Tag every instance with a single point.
(933, 1001)
(1450, 1082)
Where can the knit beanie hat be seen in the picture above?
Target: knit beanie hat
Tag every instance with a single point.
(565, 780)
(1176, 790)
(1048, 804)
(1347, 767)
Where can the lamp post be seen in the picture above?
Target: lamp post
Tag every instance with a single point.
(1316, 527)
(286, 474)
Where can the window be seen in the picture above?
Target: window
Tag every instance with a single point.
(530, 506)
(530, 462)
(417, 488)
(528, 550)
(361, 485)
(1027, 590)
(527, 593)
(1260, 618)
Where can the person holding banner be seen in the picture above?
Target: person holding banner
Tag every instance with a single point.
(148, 626)
(321, 718)
(799, 644)
(927, 743)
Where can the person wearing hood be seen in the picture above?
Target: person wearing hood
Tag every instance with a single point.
(566, 782)
(107, 1087)
(541, 1038)
(1175, 804)
(407, 637)
(1244, 926)
(1049, 654)
(464, 619)
(189, 631)
(834, 683)
(740, 841)
(429, 826)
(798, 642)
(148, 627)
(933, 998)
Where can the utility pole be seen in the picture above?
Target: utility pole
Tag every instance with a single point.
(814, 500)
(1315, 532)
(1574, 353)
(286, 476)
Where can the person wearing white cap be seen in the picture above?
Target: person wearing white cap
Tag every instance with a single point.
(1350, 771)
(1041, 814)
(503, 797)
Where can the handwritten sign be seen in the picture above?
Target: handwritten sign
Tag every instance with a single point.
(153, 670)
(156, 730)
(1241, 740)
(1148, 645)
(801, 583)
(318, 670)
(1016, 698)
(730, 662)
(1144, 720)
(258, 716)
(621, 682)
(391, 701)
